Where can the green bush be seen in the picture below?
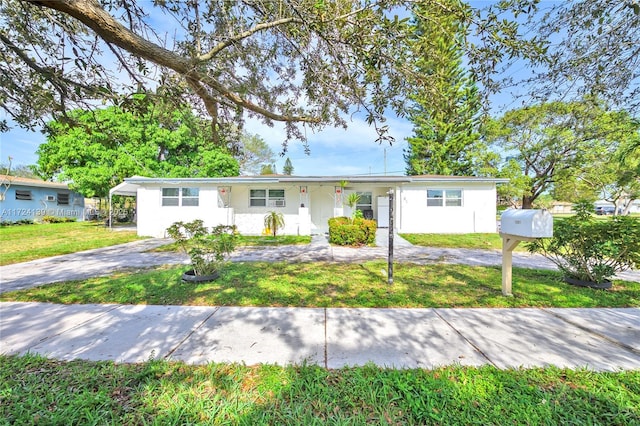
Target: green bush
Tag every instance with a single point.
(56, 219)
(588, 249)
(344, 231)
(17, 222)
(208, 249)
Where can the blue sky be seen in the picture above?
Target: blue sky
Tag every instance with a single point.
(333, 151)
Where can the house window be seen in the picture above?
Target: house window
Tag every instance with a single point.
(63, 198)
(180, 196)
(444, 197)
(23, 195)
(453, 198)
(190, 196)
(266, 198)
(364, 204)
(170, 196)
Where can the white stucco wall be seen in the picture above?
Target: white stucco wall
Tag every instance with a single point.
(412, 215)
(477, 213)
(250, 220)
(154, 218)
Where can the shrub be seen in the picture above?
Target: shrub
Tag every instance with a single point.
(17, 222)
(208, 250)
(588, 249)
(352, 232)
(57, 219)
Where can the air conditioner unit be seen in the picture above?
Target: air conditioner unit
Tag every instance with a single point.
(51, 198)
(276, 203)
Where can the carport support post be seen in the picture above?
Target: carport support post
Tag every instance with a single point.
(109, 212)
(509, 242)
(390, 260)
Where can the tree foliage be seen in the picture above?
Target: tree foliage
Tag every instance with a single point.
(612, 174)
(447, 104)
(305, 63)
(20, 170)
(268, 169)
(598, 52)
(104, 146)
(287, 169)
(548, 145)
(253, 153)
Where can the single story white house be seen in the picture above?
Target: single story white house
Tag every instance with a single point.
(422, 204)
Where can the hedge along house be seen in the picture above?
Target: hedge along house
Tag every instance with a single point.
(423, 204)
(33, 199)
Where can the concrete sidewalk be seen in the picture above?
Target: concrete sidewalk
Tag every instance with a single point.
(598, 339)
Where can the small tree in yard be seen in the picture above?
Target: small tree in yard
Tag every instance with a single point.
(352, 202)
(592, 250)
(208, 250)
(274, 221)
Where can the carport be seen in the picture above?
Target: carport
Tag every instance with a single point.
(125, 189)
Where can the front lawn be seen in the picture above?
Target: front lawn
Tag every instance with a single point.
(35, 390)
(21, 243)
(335, 285)
(487, 241)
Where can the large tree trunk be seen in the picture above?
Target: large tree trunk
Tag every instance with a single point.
(527, 202)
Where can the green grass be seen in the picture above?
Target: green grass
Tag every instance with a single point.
(22, 243)
(470, 241)
(34, 390)
(278, 240)
(335, 285)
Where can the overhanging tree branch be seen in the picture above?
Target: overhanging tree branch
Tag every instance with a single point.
(260, 27)
(91, 14)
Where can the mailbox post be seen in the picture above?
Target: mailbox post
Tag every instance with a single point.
(516, 226)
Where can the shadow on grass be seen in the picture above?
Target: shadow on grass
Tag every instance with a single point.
(37, 390)
(316, 284)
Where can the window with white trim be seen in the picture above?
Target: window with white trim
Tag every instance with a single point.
(190, 196)
(266, 198)
(180, 196)
(444, 197)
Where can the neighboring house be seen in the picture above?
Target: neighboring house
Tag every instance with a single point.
(634, 208)
(561, 207)
(423, 204)
(32, 199)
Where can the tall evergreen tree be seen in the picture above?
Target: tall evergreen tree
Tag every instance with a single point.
(288, 167)
(447, 104)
